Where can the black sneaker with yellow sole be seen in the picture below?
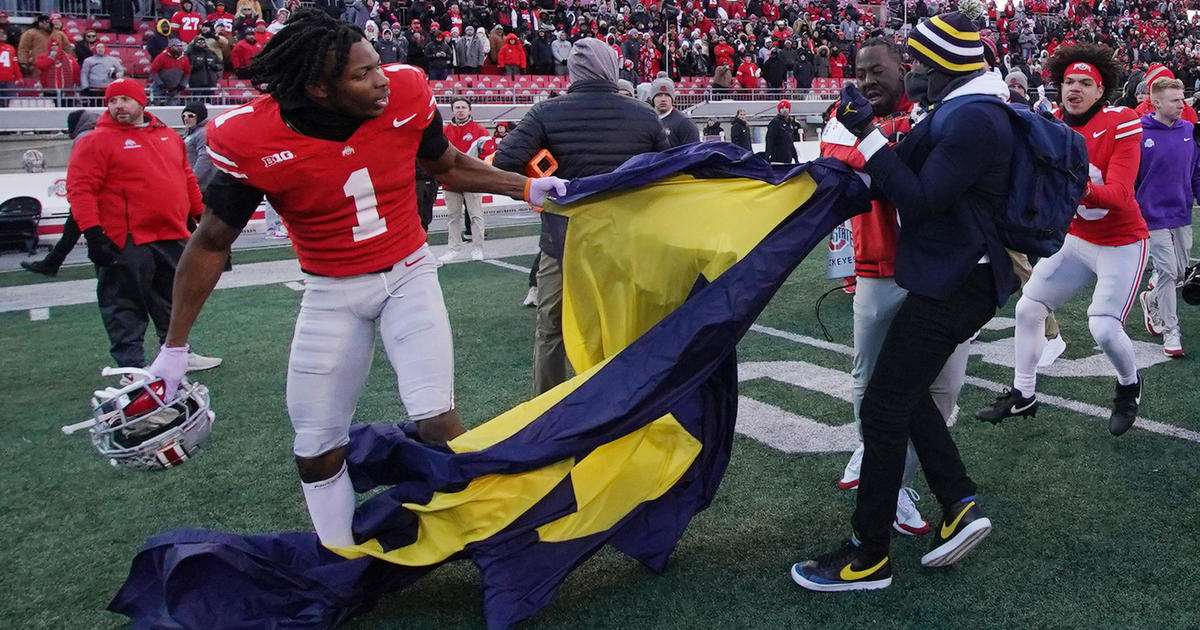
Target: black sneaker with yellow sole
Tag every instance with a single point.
(963, 526)
(846, 568)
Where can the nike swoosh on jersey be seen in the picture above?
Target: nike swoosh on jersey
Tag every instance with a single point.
(848, 573)
(396, 122)
(409, 264)
(1099, 133)
(946, 531)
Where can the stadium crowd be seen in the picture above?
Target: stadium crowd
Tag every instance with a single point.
(735, 44)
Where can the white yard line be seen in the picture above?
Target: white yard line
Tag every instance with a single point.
(39, 314)
(1056, 401)
(49, 294)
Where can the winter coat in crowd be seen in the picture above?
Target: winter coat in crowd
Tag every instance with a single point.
(100, 70)
(723, 77)
(774, 70)
(739, 133)
(195, 144)
(438, 55)
(206, 65)
(495, 43)
(821, 63)
(386, 48)
(35, 42)
(170, 72)
(780, 139)
(468, 52)
(512, 53)
(57, 69)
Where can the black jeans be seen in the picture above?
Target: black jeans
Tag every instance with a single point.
(897, 405)
(135, 291)
(426, 197)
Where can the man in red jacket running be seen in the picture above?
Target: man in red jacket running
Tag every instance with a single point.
(131, 191)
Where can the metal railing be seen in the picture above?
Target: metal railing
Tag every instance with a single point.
(684, 97)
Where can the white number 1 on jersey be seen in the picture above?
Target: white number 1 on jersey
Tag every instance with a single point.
(370, 224)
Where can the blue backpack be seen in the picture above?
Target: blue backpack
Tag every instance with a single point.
(1049, 177)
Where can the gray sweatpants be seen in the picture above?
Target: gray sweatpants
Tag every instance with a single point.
(876, 301)
(1169, 249)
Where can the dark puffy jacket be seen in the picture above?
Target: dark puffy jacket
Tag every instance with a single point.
(590, 130)
(206, 67)
(739, 133)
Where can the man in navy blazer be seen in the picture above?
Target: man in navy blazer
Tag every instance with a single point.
(957, 273)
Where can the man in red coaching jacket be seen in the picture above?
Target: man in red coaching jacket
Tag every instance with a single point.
(131, 192)
(472, 139)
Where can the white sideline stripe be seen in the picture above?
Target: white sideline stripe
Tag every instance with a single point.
(39, 314)
(1056, 401)
(72, 292)
(505, 265)
(295, 286)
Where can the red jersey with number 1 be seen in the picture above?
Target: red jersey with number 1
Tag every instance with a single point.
(350, 207)
(1110, 215)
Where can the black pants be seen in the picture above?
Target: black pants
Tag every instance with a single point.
(135, 291)
(426, 196)
(66, 242)
(897, 405)
(537, 261)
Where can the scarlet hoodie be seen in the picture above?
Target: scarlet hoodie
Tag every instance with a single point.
(132, 181)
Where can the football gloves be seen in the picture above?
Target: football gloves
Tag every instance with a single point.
(538, 188)
(854, 111)
(170, 365)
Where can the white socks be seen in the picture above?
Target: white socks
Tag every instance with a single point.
(1031, 339)
(1109, 333)
(331, 507)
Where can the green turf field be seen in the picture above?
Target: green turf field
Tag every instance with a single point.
(1091, 531)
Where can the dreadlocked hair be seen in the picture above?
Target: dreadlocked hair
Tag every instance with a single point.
(298, 55)
(1100, 57)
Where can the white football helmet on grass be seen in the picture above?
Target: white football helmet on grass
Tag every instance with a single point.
(137, 425)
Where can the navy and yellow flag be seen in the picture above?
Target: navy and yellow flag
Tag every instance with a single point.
(668, 261)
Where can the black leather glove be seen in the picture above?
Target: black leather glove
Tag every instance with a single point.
(101, 249)
(854, 111)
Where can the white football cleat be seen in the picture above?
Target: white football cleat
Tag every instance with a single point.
(530, 298)
(199, 363)
(449, 256)
(477, 254)
(849, 480)
(1054, 349)
(908, 519)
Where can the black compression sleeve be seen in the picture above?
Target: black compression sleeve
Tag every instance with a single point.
(232, 201)
(433, 141)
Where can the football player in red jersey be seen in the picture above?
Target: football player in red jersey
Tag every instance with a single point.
(879, 71)
(1106, 244)
(333, 145)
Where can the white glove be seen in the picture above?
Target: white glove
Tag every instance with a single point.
(539, 188)
(170, 365)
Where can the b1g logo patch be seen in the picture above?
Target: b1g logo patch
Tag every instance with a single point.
(276, 158)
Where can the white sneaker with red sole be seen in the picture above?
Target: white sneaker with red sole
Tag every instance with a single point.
(849, 480)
